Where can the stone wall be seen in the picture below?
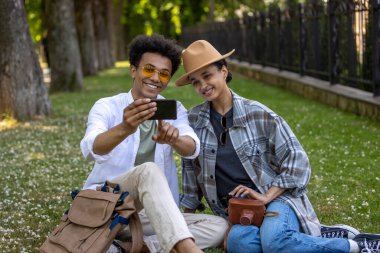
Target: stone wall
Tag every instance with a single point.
(346, 98)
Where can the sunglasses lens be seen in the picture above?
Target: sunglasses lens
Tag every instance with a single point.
(164, 75)
(223, 138)
(223, 135)
(148, 70)
(223, 121)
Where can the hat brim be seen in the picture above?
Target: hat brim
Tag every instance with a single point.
(184, 79)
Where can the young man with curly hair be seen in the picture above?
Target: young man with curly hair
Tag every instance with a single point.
(137, 153)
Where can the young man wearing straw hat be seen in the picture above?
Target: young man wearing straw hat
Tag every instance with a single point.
(137, 153)
(248, 151)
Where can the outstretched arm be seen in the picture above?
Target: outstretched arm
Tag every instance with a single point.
(133, 115)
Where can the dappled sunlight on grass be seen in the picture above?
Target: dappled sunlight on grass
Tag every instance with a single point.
(8, 123)
(35, 156)
(122, 64)
(110, 72)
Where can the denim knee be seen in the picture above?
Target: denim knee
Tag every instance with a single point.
(276, 242)
(244, 239)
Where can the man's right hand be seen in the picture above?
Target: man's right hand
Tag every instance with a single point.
(136, 113)
(133, 115)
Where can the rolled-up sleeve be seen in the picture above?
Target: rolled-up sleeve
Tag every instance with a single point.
(294, 168)
(97, 123)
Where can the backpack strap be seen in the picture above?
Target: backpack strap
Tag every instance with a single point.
(137, 233)
(126, 215)
(127, 210)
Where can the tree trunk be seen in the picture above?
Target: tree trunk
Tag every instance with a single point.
(109, 6)
(63, 46)
(23, 94)
(101, 34)
(120, 46)
(86, 36)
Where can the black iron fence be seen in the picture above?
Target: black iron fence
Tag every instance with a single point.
(334, 40)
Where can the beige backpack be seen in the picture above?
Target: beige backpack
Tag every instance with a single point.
(93, 220)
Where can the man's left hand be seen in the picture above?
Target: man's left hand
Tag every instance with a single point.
(166, 133)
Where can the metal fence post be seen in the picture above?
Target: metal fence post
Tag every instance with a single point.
(302, 39)
(263, 38)
(280, 39)
(333, 42)
(352, 63)
(376, 48)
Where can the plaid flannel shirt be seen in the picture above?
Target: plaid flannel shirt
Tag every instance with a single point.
(268, 150)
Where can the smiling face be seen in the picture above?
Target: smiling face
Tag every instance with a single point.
(210, 82)
(149, 87)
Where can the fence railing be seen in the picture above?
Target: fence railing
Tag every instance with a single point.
(335, 40)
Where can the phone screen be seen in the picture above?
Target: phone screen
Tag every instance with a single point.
(166, 109)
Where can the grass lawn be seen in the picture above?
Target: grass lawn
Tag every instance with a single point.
(40, 161)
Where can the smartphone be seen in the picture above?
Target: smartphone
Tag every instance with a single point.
(166, 109)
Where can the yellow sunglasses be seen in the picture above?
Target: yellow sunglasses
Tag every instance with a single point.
(163, 74)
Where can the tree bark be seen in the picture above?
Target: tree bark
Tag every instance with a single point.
(101, 34)
(63, 46)
(120, 46)
(23, 94)
(86, 36)
(109, 6)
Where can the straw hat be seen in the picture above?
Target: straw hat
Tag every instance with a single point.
(196, 56)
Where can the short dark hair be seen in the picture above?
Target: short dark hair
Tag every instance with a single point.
(154, 44)
(219, 65)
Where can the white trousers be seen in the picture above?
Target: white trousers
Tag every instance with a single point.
(161, 218)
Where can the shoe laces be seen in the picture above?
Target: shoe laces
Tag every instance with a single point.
(335, 234)
(372, 246)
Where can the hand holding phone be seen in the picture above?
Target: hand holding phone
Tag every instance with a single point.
(137, 112)
(166, 109)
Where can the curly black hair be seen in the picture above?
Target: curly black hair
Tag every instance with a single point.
(219, 65)
(155, 44)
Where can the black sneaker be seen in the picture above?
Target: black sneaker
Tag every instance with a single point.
(368, 243)
(338, 231)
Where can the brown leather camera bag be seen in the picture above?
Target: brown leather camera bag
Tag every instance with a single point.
(92, 222)
(246, 212)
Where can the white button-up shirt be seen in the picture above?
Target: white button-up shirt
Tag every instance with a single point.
(107, 113)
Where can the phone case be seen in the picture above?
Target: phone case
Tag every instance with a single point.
(166, 109)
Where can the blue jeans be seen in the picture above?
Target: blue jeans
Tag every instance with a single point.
(281, 234)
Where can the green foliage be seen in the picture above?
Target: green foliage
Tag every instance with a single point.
(152, 17)
(41, 161)
(228, 9)
(34, 14)
(169, 17)
(147, 17)
(282, 3)
(192, 12)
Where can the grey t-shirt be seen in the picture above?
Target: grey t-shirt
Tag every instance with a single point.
(229, 172)
(147, 146)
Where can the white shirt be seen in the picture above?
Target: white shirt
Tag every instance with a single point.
(107, 113)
